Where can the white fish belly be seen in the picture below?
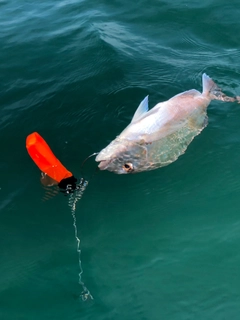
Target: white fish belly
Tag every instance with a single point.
(167, 149)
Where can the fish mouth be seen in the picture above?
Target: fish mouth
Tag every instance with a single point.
(104, 164)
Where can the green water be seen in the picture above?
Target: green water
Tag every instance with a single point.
(156, 245)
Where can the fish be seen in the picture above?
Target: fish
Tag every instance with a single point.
(157, 137)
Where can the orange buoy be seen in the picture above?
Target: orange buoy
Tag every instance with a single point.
(44, 158)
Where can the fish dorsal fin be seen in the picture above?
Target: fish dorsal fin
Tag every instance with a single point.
(141, 110)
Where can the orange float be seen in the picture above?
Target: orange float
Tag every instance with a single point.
(44, 158)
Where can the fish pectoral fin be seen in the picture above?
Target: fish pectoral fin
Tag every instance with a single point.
(149, 138)
(163, 132)
(141, 110)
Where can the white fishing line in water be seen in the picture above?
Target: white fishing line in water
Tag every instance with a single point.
(73, 199)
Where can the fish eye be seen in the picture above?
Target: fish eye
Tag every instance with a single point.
(128, 167)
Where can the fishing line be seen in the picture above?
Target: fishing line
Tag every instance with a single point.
(74, 197)
(84, 161)
(72, 202)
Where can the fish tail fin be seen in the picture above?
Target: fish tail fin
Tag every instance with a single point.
(213, 92)
(209, 86)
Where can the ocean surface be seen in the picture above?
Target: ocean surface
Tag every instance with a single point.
(158, 245)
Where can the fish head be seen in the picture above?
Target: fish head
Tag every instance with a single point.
(123, 156)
